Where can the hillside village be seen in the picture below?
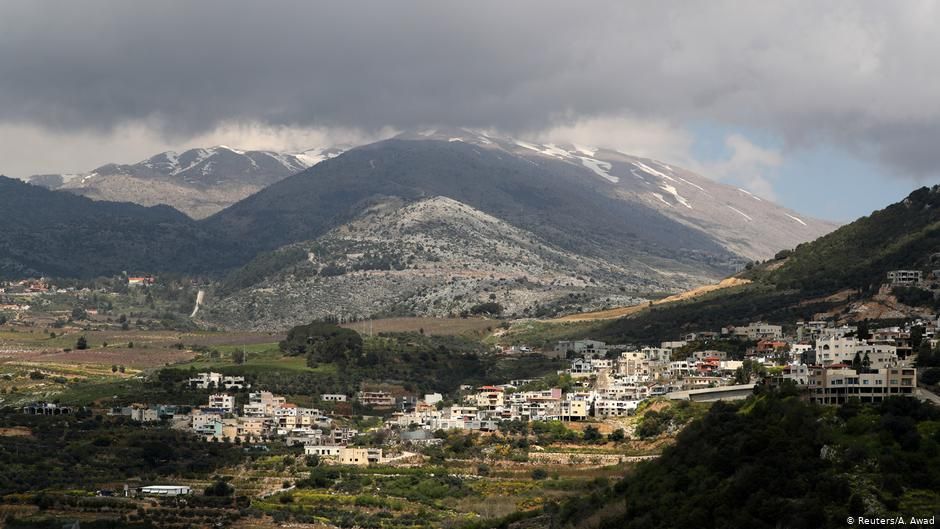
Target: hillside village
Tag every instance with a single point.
(829, 364)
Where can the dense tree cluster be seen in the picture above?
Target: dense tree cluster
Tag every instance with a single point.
(776, 461)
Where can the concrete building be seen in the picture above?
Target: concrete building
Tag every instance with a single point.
(377, 399)
(210, 380)
(323, 450)
(842, 350)
(905, 277)
(262, 404)
(836, 385)
(222, 401)
(614, 408)
(166, 490)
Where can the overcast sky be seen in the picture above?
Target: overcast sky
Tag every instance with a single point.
(830, 108)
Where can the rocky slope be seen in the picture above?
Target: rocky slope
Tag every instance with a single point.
(607, 228)
(198, 182)
(434, 257)
(742, 222)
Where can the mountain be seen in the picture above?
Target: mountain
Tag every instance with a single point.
(435, 256)
(53, 233)
(607, 202)
(838, 276)
(198, 182)
(628, 226)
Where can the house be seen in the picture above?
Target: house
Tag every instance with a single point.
(585, 348)
(46, 408)
(222, 402)
(489, 398)
(344, 436)
(333, 397)
(572, 410)
(377, 399)
(262, 404)
(360, 456)
(836, 384)
(141, 280)
(763, 331)
(633, 363)
(843, 350)
(580, 366)
(614, 408)
(323, 450)
(905, 277)
(210, 380)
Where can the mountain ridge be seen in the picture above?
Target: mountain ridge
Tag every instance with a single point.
(198, 182)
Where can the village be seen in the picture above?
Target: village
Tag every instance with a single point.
(601, 385)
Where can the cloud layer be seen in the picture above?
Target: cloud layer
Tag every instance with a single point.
(859, 75)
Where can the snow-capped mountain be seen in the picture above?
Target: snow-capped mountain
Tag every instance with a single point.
(746, 224)
(198, 182)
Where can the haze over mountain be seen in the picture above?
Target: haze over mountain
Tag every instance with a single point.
(198, 182)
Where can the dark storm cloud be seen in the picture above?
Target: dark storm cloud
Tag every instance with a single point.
(855, 74)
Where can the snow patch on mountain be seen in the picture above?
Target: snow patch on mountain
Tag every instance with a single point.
(675, 193)
(739, 212)
(796, 219)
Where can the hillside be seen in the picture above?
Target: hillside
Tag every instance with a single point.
(571, 202)
(625, 225)
(836, 275)
(198, 182)
(774, 461)
(50, 233)
(434, 257)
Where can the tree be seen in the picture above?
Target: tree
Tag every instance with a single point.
(617, 435)
(82, 343)
(917, 335)
(592, 434)
(219, 488)
(539, 474)
(114, 368)
(238, 356)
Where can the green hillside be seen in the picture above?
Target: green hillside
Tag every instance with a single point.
(775, 461)
(53, 233)
(792, 286)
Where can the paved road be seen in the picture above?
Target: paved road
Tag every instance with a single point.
(927, 396)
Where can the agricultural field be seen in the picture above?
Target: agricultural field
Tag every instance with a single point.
(47, 363)
(429, 326)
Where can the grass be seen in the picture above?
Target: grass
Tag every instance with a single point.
(431, 326)
(260, 357)
(541, 333)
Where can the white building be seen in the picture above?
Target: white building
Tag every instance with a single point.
(323, 450)
(262, 404)
(210, 380)
(614, 408)
(222, 401)
(905, 277)
(842, 350)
